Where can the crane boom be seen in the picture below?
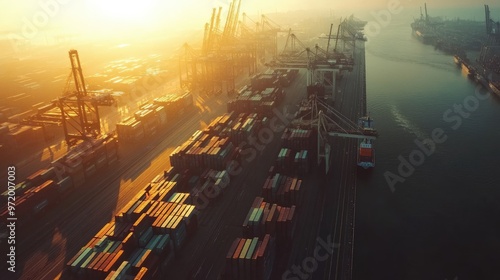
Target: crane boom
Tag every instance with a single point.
(337, 38)
(211, 31)
(204, 48)
(354, 136)
(217, 22)
(76, 68)
(235, 20)
(329, 38)
(227, 25)
(426, 15)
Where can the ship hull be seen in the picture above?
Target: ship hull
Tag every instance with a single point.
(495, 88)
(366, 165)
(366, 162)
(424, 38)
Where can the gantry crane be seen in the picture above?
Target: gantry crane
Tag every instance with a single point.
(492, 27)
(327, 67)
(330, 123)
(489, 49)
(268, 30)
(319, 62)
(222, 55)
(295, 54)
(323, 65)
(428, 21)
(77, 111)
(263, 34)
(227, 50)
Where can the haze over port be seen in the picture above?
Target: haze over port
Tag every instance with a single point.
(46, 22)
(131, 27)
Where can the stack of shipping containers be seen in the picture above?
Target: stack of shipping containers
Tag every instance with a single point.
(264, 93)
(153, 117)
(266, 218)
(144, 237)
(47, 187)
(14, 137)
(250, 258)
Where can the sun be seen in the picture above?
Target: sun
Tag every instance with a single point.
(122, 15)
(139, 17)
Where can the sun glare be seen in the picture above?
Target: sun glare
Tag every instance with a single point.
(120, 15)
(124, 9)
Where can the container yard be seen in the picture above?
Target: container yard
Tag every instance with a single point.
(203, 166)
(199, 185)
(200, 166)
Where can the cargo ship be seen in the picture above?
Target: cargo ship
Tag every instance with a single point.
(366, 152)
(468, 68)
(495, 87)
(421, 28)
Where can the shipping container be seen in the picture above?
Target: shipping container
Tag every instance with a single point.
(297, 139)
(261, 97)
(175, 105)
(267, 218)
(282, 189)
(251, 258)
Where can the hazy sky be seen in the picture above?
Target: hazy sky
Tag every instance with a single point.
(12, 11)
(113, 16)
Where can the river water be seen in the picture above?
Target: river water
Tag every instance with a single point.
(443, 221)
